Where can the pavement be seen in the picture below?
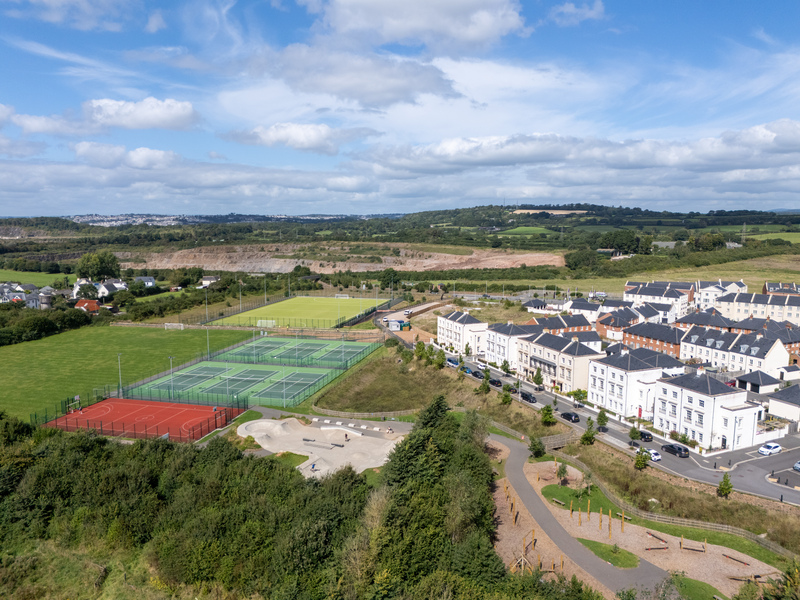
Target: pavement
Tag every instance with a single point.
(645, 576)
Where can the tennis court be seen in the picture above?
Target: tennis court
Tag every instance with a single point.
(241, 381)
(341, 352)
(181, 381)
(290, 387)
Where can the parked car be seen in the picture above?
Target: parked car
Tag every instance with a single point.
(467, 370)
(655, 455)
(452, 362)
(528, 397)
(385, 319)
(645, 436)
(770, 448)
(796, 466)
(571, 417)
(496, 383)
(513, 390)
(477, 374)
(676, 449)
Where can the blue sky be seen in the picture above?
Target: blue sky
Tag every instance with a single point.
(365, 106)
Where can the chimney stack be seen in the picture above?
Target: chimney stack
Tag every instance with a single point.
(700, 371)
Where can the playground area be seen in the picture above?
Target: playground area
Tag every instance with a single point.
(330, 444)
(140, 419)
(721, 567)
(304, 312)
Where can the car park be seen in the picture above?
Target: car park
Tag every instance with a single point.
(527, 397)
(478, 374)
(770, 448)
(571, 417)
(676, 449)
(655, 455)
(645, 436)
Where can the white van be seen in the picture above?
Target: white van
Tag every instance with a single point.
(407, 312)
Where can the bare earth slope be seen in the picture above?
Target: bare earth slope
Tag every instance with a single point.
(284, 257)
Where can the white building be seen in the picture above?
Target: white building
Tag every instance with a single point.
(708, 291)
(501, 342)
(110, 287)
(706, 410)
(785, 403)
(624, 383)
(564, 361)
(776, 307)
(459, 330)
(659, 295)
(746, 352)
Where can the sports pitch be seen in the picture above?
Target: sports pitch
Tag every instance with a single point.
(302, 312)
(297, 352)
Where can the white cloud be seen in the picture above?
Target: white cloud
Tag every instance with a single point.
(310, 137)
(149, 113)
(155, 22)
(100, 155)
(371, 80)
(147, 158)
(5, 113)
(458, 22)
(19, 148)
(569, 15)
(54, 125)
(85, 15)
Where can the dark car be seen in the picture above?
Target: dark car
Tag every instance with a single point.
(512, 390)
(646, 436)
(676, 449)
(496, 382)
(527, 397)
(571, 417)
(477, 374)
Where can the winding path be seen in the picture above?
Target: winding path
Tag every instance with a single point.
(645, 576)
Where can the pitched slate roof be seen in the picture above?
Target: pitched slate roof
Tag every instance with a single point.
(617, 304)
(584, 337)
(462, 318)
(510, 329)
(648, 311)
(581, 304)
(701, 383)
(655, 331)
(775, 287)
(616, 348)
(706, 318)
(625, 362)
(535, 303)
(759, 378)
(790, 395)
(656, 359)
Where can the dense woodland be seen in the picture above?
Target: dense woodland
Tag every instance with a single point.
(251, 527)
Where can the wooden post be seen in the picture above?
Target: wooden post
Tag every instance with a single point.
(579, 516)
(570, 509)
(539, 560)
(537, 476)
(705, 541)
(589, 510)
(562, 563)
(681, 541)
(609, 523)
(600, 527)
(622, 521)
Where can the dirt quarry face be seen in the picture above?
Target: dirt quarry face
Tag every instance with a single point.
(330, 258)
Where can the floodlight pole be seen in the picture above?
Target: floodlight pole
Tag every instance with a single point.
(240, 295)
(206, 304)
(171, 378)
(119, 364)
(208, 344)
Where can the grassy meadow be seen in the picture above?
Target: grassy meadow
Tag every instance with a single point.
(40, 373)
(311, 308)
(37, 279)
(793, 236)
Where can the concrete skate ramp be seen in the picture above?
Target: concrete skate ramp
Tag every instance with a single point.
(326, 447)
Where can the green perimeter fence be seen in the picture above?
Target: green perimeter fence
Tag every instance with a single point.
(62, 408)
(333, 363)
(245, 306)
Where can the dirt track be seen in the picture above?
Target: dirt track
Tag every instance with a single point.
(282, 258)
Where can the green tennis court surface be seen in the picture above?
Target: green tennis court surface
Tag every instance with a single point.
(289, 387)
(243, 380)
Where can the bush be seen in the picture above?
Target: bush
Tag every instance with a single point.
(391, 342)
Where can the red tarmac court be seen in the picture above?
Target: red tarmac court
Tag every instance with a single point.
(147, 419)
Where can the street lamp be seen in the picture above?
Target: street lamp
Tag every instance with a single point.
(171, 378)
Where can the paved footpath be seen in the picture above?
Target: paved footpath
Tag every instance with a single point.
(645, 576)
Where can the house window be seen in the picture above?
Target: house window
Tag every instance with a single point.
(661, 423)
(688, 415)
(613, 375)
(700, 437)
(664, 391)
(689, 399)
(701, 402)
(724, 421)
(699, 419)
(674, 393)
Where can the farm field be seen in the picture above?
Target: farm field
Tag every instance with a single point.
(302, 312)
(790, 236)
(525, 231)
(37, 279)
(44, 372)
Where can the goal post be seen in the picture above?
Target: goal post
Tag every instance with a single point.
(342, 296)
(173, 326)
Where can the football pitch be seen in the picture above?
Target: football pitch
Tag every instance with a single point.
(302, 312)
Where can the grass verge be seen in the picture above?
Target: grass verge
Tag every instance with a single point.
(691, 589)
(613, 555)
(290, 459)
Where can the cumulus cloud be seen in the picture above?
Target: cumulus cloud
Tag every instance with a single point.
(370, 80)
(108, 156)
(149, 113)
(465, 22)
(99, 115)
(19, 148)
(569, 15)
(85, 15)
(311, 137)
(155, 22)
(5, 113)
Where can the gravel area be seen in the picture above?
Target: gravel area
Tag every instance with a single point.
(510, 534)
(710, 566)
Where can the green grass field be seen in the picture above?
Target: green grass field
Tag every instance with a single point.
(614, 555)
(37, 279)
(40, 373)
(525, 231)
(314, 312)
(789, 236)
